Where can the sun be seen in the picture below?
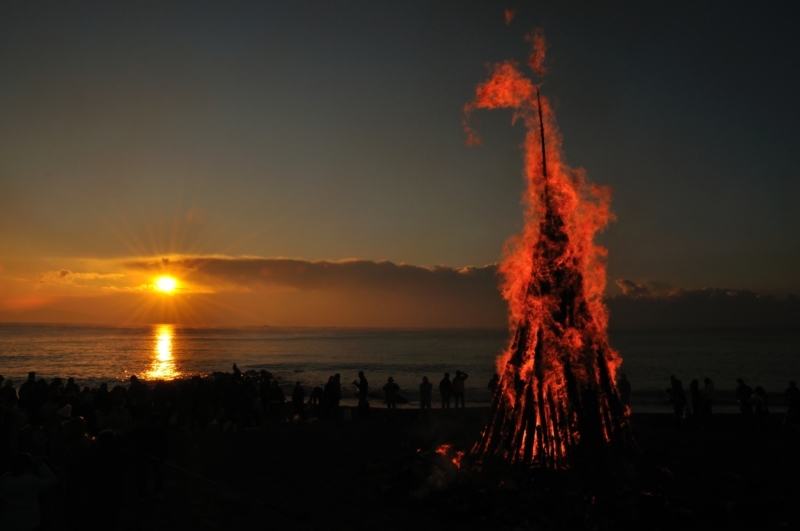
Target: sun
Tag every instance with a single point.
(166, 284)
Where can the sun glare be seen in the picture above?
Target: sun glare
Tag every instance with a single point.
(163, 367)
(166, 284)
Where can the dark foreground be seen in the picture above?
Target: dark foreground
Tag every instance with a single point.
(378, 474)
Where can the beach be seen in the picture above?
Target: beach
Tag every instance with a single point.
(228, 452)
(369, 473)
(230, 449)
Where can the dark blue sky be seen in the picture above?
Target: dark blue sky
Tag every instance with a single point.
(332, 130)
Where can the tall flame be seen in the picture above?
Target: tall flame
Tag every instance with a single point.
(556, 393)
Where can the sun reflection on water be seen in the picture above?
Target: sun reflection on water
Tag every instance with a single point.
(163, 367)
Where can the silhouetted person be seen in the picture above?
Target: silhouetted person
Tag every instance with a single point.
(458, 388)
(27, 393)
(237, 374)
(19, 493)
(624, 388)
(678, 399)
(276, 393)
(105, 483)
(337, 394)
(102, 399)
(8, 395)
(119, 420)
(316, 397)
(390, 392)
(327, 397)
(742, 394)
(298, 400)
(708, 398)
(446, 390)
(758, 401)
(151, 441)
(425, 392)
(791, 397)
(694, 398)
(72, 387)
(493, 383)
(33, 439)
(363, 392)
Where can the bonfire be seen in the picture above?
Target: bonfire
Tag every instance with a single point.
(556, 403)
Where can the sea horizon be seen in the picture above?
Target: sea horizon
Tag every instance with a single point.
(94, 353)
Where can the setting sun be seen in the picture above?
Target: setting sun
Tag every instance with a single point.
(166, 284)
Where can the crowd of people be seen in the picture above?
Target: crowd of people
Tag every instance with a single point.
(85, 440)
(753, 403)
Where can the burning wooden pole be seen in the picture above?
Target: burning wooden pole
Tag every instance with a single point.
(556, 403)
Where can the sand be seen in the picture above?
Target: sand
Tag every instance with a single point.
(384, 474)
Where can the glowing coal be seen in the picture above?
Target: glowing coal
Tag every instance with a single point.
(556, 401)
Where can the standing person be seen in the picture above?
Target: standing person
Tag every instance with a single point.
(317, 399)
(743, 394)
(298, 400)
(446, 390)
(327, 397)
(624, 389)
(363, 392)
(708, 398)
(390, 391)
(697, 401)
(8, 395)
(425, 392)
(72, 387)
(678, 400)
(458, 388)
(792, 399)
(337, 393)
(493, 383)
(27, 393)
(760, 408)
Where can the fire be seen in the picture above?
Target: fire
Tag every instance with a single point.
(556, 391)
(458, 456)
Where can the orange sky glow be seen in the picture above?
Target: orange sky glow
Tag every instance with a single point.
(221, 290)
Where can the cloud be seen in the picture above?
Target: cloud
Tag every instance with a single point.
(222, 290)
(65, 276)
(290, 292)
(654, 305)
(254, 273)
(631, 289)
(645, 289)
(131, 289)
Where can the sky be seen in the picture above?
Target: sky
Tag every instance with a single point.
(325, 138)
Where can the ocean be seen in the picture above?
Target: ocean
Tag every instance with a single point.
(95, 354)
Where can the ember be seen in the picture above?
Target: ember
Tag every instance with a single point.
(556, 399)
(457, 456)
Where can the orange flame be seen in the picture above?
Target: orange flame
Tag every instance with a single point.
(536, 59)
(557, 384)
(458, 455)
